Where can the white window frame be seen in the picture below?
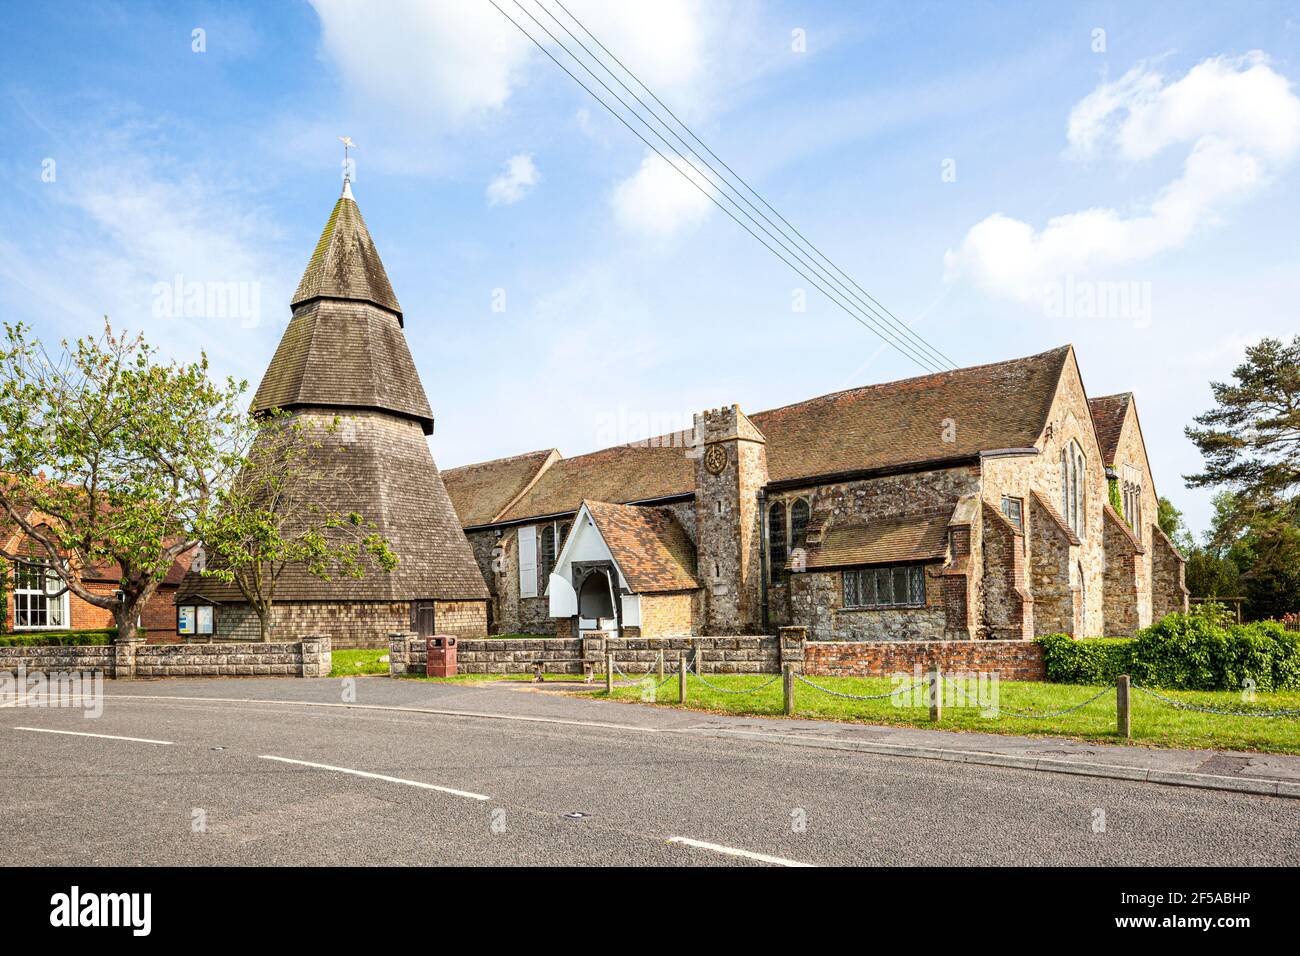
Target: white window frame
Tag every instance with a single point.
(31, 594)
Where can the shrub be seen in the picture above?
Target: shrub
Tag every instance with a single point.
(1094, 660)
(58, 638)
(1182, 651)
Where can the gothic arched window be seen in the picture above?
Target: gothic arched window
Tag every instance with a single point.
(548, 551)
(1073, 487)
(799, 512)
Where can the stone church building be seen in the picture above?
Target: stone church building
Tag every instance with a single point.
(970, 504)
(344, 356)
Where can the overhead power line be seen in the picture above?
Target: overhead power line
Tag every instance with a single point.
(903, 327)
(910, 345)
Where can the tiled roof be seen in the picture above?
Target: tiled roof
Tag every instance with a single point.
(1004, 405)
(624, 473)
(345, 263)
(1108, 416)
(989, 407)
(482, 492)
(889, 541)
(648, 544)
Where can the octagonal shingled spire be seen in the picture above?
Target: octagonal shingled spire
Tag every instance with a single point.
(344, 347)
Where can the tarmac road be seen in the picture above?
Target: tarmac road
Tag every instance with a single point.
(280, 772)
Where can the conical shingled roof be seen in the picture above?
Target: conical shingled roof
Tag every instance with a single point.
(345, 263)
(344, 346)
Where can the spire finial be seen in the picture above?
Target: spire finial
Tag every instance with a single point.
(348, 145)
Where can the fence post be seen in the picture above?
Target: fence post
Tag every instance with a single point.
(787, 687)
(1123, 716)
(681, 678)
(936, 694)
(659, 663)
(609, 674)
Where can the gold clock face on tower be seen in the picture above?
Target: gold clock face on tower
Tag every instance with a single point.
(715, 459)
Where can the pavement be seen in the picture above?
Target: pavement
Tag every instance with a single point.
(381, 771)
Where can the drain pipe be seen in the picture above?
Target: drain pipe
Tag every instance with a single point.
(762, 551)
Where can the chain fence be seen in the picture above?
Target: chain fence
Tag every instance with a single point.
(692, 669)
(836, 693)
(1240, 712)
(1027, 714)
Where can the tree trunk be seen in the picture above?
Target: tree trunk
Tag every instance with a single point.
(126, 614)
(264, 621)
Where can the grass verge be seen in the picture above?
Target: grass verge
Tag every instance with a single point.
(1155, 724)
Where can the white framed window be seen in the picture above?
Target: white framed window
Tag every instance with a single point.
(1014, 509)
(34, 609)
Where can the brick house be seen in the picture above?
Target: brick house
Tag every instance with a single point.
(344, 357)
(962, 505)
(29, 607)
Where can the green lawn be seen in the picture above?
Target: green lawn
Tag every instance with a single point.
(1155, 724)
(352, 663)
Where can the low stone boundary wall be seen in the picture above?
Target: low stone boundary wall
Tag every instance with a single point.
(407, 654)
(1011, 660)
(310, 657)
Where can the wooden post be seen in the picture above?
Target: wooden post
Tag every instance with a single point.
(681, 678)
(1123, 716)
(787, 687)
(936, 694)
(659, 663)
(609, 674)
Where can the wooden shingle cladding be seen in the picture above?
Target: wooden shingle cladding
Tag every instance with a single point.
(345, 263)
(344, 356)
(650, 547)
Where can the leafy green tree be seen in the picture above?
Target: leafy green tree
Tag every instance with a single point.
(1270, 553)
(1170, 520)
(111, 457)
(1251, 439)
(270, 519)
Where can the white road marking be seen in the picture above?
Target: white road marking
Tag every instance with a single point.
(377, 776)
(78, 733)
(478, 714)
(732, 851)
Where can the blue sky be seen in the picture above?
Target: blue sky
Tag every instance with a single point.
(963, 162)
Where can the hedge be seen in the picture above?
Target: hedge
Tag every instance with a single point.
(59, 638)
(1182, 651)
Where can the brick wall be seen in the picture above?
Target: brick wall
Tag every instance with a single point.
(1011, 660)
(352, 624)
(307, 658)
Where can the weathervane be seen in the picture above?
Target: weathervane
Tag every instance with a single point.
(347, 160)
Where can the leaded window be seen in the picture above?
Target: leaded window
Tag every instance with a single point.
(548, 551)
(776, 549)
(899, 585)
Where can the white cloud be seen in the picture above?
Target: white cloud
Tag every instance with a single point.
(1241, 121)
(460, 59)
(518, 177)
(657, 201)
